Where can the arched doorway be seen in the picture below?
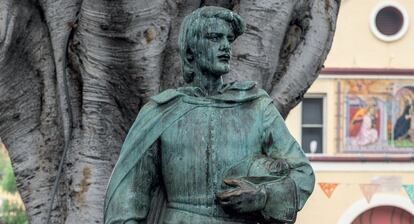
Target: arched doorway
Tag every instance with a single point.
(384, 215)
(380, 200)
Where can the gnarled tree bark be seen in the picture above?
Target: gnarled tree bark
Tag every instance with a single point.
(74, 74)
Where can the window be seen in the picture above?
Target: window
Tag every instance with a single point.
(312, 124)
(389, 21)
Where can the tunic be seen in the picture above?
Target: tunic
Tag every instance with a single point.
(213, 138)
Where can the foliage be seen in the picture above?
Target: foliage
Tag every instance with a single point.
(3, 162)
(12, 214)
(8, 181)
(7, 178)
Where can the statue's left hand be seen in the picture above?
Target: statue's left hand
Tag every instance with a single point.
(245, 197)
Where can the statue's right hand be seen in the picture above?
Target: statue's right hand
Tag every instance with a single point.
(244, 197)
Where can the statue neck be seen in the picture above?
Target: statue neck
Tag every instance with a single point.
(208, 83)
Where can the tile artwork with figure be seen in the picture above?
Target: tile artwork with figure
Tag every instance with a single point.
(377, 116)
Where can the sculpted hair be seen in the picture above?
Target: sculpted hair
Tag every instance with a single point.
(190, 33)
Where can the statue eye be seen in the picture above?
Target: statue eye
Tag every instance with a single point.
(214, 37)
(230, 39)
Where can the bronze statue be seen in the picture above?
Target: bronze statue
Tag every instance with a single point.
(220, 151)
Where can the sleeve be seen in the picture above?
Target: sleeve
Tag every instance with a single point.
(287, 195)
(132, 200)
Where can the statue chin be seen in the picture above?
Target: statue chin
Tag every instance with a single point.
(216, 70)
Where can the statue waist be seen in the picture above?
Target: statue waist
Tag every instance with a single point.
(200, 209)
(189, 214)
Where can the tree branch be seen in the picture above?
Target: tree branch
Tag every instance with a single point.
(304, 62)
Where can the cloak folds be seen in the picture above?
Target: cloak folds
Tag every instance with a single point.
(153, 119)
(128, 197)
(160, 113)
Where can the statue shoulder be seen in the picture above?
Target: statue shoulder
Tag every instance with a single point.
(241, 92)
(166, 96)
(248, 87)
(243, 85)
(157, 102)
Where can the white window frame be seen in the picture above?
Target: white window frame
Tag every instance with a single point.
(400, 33)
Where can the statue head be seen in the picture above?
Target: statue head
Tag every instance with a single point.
(204, 41)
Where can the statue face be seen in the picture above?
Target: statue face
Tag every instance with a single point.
(213, 51)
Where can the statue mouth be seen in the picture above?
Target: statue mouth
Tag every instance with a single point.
(224, 57)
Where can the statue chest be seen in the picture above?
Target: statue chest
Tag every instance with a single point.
(199, 148)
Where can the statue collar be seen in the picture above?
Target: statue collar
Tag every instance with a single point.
(234, 92)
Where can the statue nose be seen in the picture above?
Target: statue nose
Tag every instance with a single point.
(225, 46)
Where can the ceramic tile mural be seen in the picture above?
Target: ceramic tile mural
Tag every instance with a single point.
(377, 116)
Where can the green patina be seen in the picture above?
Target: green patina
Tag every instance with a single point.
(220, 152)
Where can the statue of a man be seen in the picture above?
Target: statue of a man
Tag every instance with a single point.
(221, 152)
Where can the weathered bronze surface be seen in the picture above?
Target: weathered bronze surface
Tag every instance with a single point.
(218, 153)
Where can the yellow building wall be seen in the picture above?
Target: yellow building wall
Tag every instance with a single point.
(328, 89)
(323, 210)
(355, 46)
(293, 121)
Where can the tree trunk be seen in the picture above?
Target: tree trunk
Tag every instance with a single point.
(74, 74)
